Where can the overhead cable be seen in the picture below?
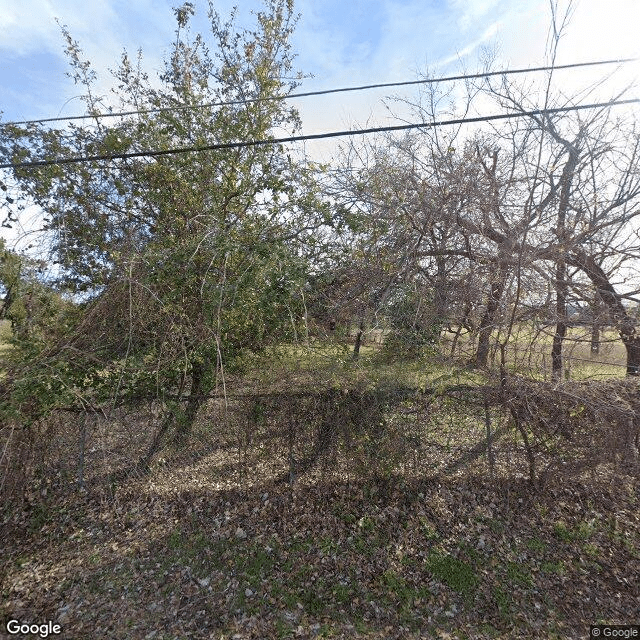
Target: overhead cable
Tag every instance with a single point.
(152, 153)
(472, 76)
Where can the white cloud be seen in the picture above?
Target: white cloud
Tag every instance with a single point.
(30, 25)
(486, 38)
(470, 11)
(103, 28)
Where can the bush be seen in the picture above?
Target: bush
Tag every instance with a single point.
(415, 329)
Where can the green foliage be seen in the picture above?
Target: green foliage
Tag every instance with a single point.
(553, 567)
(455, 573)
(414, 327)
(582, 531)
(503, 601)
(185, 262)
(38, 313)
(518, 575)
(37, 377)
(536, 545)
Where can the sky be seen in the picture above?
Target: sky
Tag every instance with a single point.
(340, 43)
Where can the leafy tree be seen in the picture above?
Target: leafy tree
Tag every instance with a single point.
(186, 260)
(38, 313)
(414, 325)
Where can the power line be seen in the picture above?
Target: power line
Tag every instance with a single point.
(315, 136)
(322, 92)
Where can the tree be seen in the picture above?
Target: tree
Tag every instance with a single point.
(549, 196)
(186, 260)
(580, 172)
(38, 313)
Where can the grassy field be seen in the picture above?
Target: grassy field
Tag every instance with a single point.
(529, 353)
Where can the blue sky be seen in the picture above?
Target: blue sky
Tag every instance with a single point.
(355, 42)
(341, 43)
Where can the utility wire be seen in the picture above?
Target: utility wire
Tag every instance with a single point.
(323, 92)
(316, 136)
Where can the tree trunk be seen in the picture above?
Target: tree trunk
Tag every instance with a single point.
(441, 294)
(561, 320)
(595, 338)
(358, 343)
(454, 342)
(488, 319)
(625, 323)
(464, 323)
(562, 288)
(196, 398)
(596, 312)
(144, 463)
(632, 345)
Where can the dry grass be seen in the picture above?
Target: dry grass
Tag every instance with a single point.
(212, 546)
(529, 353)
(5, 336)
(327, 498)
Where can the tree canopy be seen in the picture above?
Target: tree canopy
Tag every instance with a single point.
(181, 262)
